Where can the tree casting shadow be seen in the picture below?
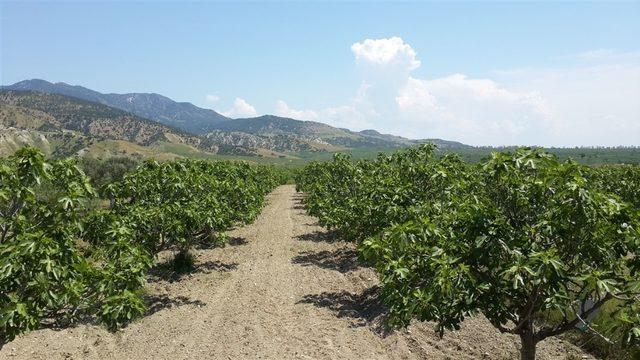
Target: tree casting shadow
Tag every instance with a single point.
(330, 236)
(342, 260)
(298, 202)
(233, 241)
(166, 272)
(156, 303)
(237, 241)
(362, 309)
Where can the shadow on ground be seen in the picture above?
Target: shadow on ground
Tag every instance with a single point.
(298, 200)
(362, 309)
(342, 260)
(330, 236)
(156, 303)
(166, 272)
(237, 241)
(232, 241)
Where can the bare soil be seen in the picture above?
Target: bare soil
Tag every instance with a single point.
(284, 288)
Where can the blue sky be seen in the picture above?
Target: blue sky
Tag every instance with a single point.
(489, 73)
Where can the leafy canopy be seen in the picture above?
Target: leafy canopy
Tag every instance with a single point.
(516, 238)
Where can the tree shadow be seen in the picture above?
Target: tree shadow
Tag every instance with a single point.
(215, 266)
(298, 201)
(237, 241)
(165, 271)
(232, 241)
(156, 303)
(362, 309)
(342, 260)
(330, 236)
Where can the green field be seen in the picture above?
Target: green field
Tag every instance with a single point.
(586, 156)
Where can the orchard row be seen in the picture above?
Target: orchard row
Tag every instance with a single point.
(518, 237)
(69, 251)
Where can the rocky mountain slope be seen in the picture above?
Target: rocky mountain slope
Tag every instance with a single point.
(42, 106)
(322, 135)
(151, 106)
(278, 142)
(65, 125)
(195, 120)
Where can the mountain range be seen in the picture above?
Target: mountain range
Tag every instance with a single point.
(146, 105)
(68, 119)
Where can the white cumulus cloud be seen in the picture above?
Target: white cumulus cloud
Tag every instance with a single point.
(590, 100)
(283, 109)
(345, 116)
(475, 111)
(241, 108)
(386, 52)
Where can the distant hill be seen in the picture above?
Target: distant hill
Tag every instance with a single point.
(318, 134)
(279, 142)
(66, 119)
(270, 124)
(64, 125)
(274, 132)
(182, 115)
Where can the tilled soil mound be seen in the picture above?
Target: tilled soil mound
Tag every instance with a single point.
(284, 288)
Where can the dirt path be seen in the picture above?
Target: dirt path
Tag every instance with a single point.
(283, 288)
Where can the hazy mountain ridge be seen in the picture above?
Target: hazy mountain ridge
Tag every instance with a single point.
(322, 135)
(281, 143)
(64, 125)
(124, 117)
(151, 106)
(199, 121)
(73, 124)
(271, 124)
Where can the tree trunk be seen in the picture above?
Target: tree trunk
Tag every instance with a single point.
(528, 350)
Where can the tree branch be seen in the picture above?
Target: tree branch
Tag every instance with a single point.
(549, 331)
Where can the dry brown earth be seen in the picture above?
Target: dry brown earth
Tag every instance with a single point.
(284, 288)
